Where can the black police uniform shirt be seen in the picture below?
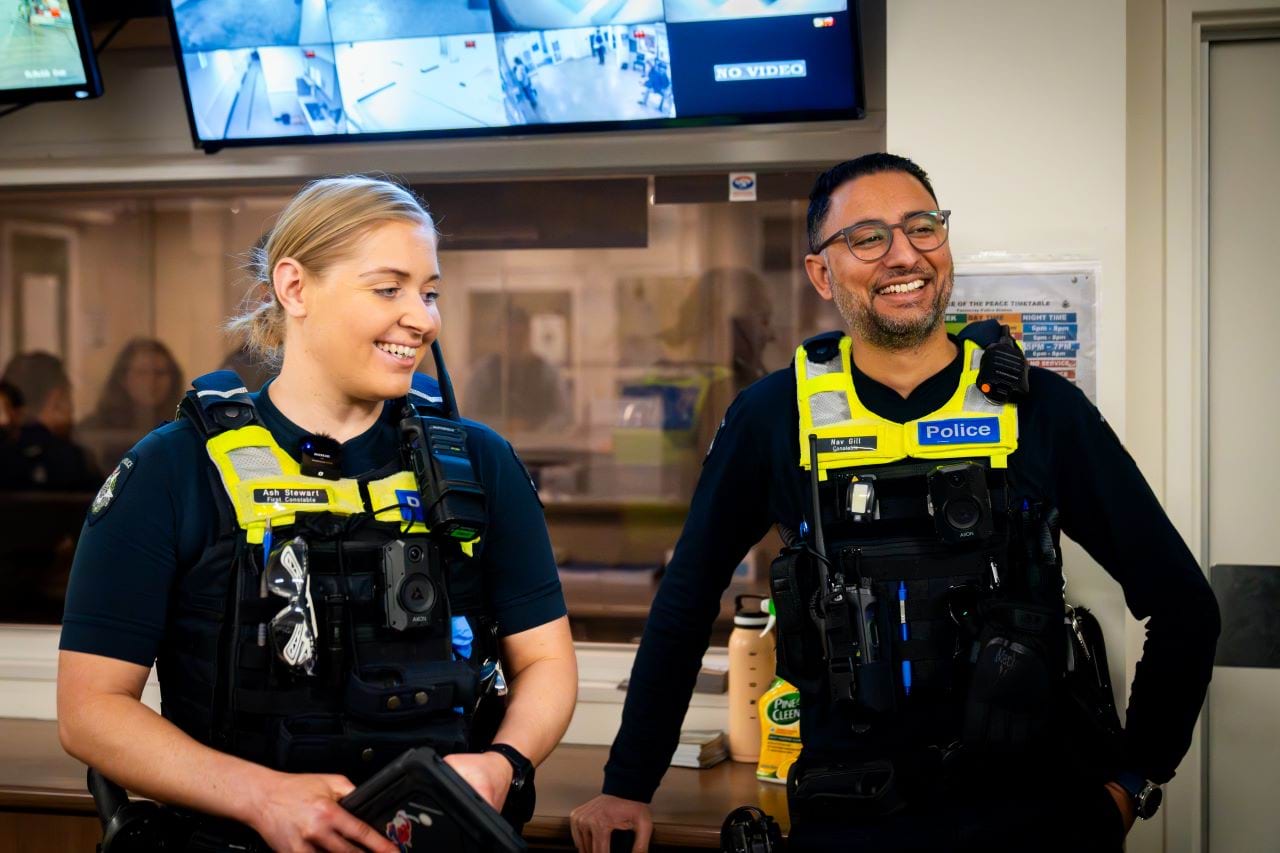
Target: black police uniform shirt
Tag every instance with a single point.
(37, 459)
(1067, 457)
(157, 515)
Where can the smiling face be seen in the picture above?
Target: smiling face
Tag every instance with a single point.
(896, 302)
(370, 318)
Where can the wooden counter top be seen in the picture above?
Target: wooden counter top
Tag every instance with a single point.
(37, 776)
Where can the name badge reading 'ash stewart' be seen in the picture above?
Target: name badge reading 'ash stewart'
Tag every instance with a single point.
(847, 443)
(290, 496)
(959, 431)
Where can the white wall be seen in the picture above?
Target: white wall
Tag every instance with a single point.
(1017, 111)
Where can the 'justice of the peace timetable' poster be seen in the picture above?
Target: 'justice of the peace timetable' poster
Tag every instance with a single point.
(1053, 314)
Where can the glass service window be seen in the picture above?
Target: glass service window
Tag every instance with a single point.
(608, 369)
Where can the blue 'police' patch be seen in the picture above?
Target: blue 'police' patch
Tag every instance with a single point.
(959, 431)
(410, 505)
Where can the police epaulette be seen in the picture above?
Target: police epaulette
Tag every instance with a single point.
(218, 401)
(822, 348)
(425, 396)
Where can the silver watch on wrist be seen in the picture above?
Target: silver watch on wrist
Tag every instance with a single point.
(1146, 795)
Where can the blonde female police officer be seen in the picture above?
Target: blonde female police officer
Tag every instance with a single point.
(169, 560)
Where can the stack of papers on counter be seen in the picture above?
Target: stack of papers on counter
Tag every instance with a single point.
(699, 748)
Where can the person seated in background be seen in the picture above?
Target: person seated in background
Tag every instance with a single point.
(142, 392)
(518, 388)
(42, 454)
(657, 82)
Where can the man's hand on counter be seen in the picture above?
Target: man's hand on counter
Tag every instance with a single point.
(593, 822)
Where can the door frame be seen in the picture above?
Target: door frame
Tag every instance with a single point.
(1190, 26)
(9, 231)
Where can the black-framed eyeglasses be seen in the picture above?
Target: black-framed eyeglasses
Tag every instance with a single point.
(871, 240)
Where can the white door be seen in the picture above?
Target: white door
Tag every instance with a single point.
(1243, 451)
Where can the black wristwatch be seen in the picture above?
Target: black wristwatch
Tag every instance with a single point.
(1146, 795)
(522, 768)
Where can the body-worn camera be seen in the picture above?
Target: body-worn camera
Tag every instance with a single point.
(960, 503)
(414, 594)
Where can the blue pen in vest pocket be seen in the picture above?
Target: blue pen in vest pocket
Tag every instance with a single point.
(902, 620)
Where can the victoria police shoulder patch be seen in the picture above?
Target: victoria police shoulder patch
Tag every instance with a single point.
(111, 488)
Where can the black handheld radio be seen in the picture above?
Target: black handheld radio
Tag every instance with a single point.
(435, 448)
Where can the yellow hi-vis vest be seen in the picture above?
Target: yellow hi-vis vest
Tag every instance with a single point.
(265, 484)
(967, 426)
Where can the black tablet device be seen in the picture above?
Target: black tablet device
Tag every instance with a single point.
(421, 803)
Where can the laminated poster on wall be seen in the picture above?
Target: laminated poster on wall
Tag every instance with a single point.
(1052, 311)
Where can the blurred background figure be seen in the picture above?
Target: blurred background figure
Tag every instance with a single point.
(524, 79)
(519, 388)
(657, 82)
(726, 318)
(142, 392)
(42, 455)
(10, 403)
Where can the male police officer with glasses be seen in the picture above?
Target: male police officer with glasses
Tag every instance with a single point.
(920, 605)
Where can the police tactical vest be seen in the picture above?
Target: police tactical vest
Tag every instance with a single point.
(921, 535)
(378, 685)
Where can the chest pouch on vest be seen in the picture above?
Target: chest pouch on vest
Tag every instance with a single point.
(1017, 657)
(1011, 687)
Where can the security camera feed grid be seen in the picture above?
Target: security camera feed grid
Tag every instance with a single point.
(275, 69)
(38, 45)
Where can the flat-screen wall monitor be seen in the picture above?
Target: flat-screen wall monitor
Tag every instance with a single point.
(45, 52)
(277, 71)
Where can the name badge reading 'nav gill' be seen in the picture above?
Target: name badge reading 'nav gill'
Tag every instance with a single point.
(848, 442)
(959, 431)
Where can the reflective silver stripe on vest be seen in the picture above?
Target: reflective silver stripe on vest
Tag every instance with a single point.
(827, 407)
(250, 463)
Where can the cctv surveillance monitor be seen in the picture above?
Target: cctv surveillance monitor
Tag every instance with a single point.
(45, 52)
(285, 71)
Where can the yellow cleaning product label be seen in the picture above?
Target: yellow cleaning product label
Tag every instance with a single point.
(779, 732)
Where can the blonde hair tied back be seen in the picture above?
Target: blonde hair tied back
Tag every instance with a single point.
(318, 228)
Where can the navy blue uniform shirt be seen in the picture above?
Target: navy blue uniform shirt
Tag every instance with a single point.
(162, 517)
(1067, 457)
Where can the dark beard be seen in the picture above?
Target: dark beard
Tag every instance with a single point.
(885, 334)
